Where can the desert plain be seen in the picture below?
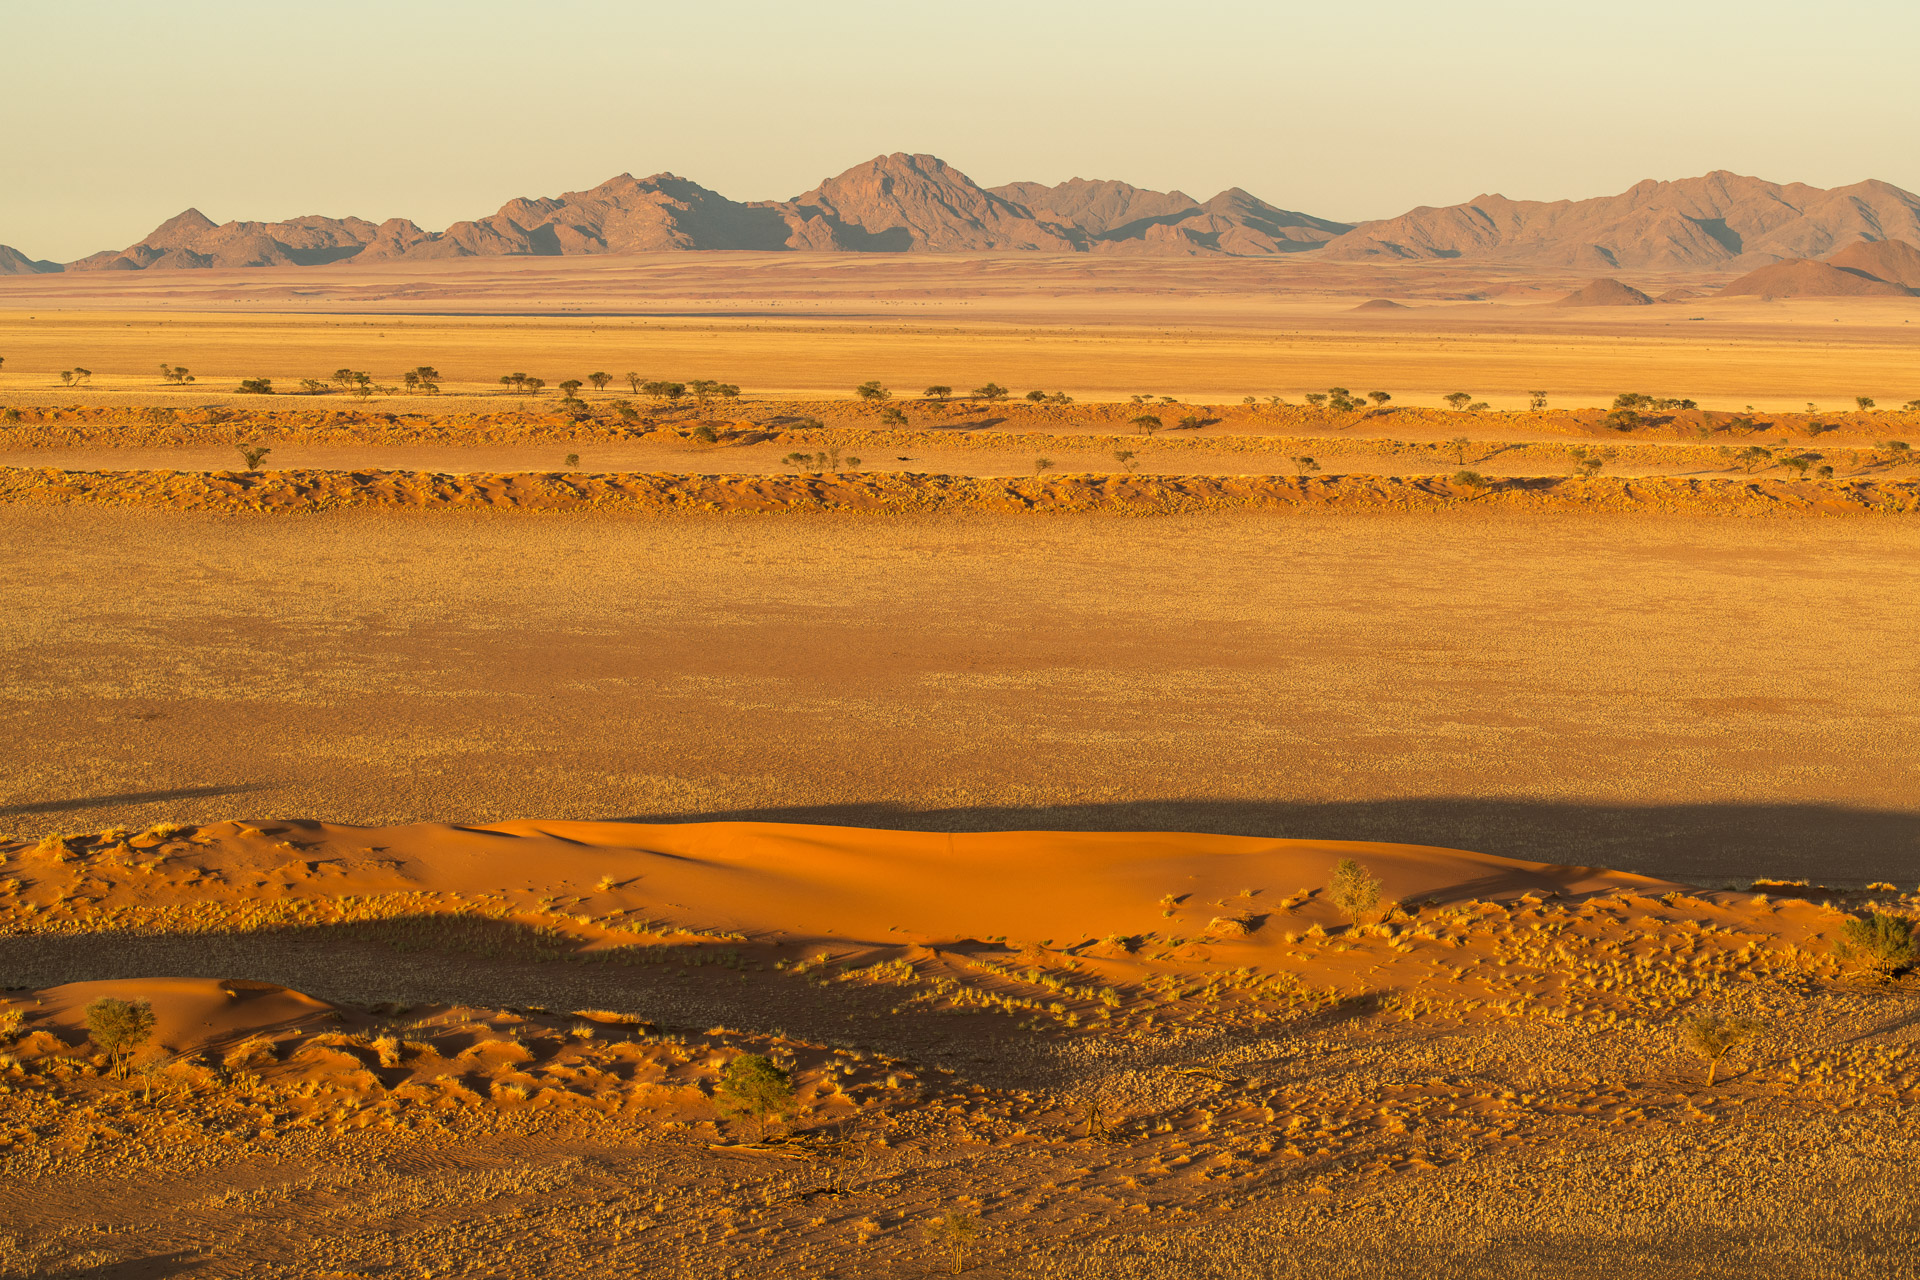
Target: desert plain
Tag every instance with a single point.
(471, 782)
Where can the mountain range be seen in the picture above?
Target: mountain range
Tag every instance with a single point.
(917, 203)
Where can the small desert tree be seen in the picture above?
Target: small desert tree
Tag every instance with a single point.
(636, 381)
(954, 1231)
(1303, 464)
(1148, 423)
(256, 387)
(872, 392)
(1125, 457)
(1536, 400)
(1864, 402)
(253, 455)
(754, 1086)
(992, 391)
(1712, 1036)
(599, 380)
(1588, 465)
(894, 416)
(1042, 464)
(1353, 890)
(939, 393)
(1458, 400)
(533, 386)
(570, 387)
(1378, 397)
(118, 1027)
(1471, 480)
(1884, 944)
(511, 381)
(424, 379)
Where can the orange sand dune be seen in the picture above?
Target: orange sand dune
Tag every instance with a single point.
(774, 880)
(190, 1013)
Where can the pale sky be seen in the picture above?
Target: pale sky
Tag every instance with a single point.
(119, 115)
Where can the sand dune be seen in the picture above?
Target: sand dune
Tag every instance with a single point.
(191, 1014)
(775, 881)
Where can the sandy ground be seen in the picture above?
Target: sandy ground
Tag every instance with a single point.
(1713, 698)
(803, 324)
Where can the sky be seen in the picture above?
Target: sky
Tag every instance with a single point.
(117, 115)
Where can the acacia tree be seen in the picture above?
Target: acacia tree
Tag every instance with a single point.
(992, 391)
(1148, 423)
(872, 392)
(599, 380)
(635, 381)
(1303, 464)
(1536, 400)
(1352, 889)
(118, 1027)
(754, 1086)
(938, 393)
(1713, 1036)
(1458, 400)
(1378, 397)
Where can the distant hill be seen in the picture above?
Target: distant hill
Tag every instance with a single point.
(905, 203)
(1887, 269)
(1894, 261)
(15, 263)
(1604, 292)
(1722, 218)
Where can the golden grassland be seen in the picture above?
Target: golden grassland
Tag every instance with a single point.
(1495, 1086)
(1213, 331)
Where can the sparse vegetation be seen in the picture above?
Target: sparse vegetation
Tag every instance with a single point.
(1879, 942)
(422, 380)
(991, 391)
(1458, 400)
(938, 392)
(177, 374)
(118, 1028)
(1353, 890)
(872, 392)
(1147, 423)
(253, 455)
(754, 1086)
(256, 387)
(1712, 1036)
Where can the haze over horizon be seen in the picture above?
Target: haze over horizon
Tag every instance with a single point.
(431, 111)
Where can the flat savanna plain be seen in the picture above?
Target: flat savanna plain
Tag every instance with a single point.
(1147, 1059)
(800, 325)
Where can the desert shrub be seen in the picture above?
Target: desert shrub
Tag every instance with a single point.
(1712, 1036)
(256, 387)
(1037, 396)
(1042, 464)
(424, 379)
(1458, 400)
(1317, 399)
(1379, 397)
(1148, 423)
(599, 380)
(705, 434)
(1340, 400)
(1125, 457)
(1302, 464)
(1536, 400)
(1863, 403)
(954, 1231)
(992, 391)
(1353, 890)
(754, 1085)
(253, 455)
(177, 374)
(872, 392)
(626, 411)
(118, 1027)
(894, 416)
(569, 387)
(572, 461)
(1879, 942)
(939, 393)
(1470, 480)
